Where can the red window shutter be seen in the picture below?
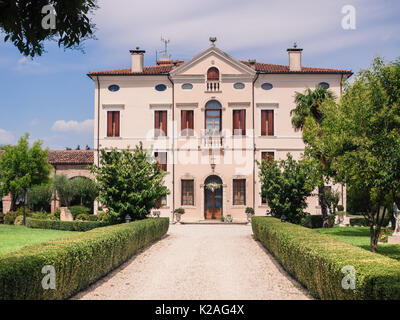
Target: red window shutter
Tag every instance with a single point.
(116, 123)
(270, 122)
(164, 122)
(109, 123)
(191, 116)
(271, 156)
(243, 122)
(183, 120)
(235, 121)
(157, 123)
(213, 74)
(263, 122)
(263, 156)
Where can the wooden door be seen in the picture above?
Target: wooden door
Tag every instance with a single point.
(213, 204)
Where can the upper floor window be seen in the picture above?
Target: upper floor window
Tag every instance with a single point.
(239, 122)
(213, 74)
(213, 116)
(161, 159)
(267, 122)
(160, 123)
(267, 86)
(239, 192)
(113, 88)
(187, 125)
(161, 87)
(113, 123)
(239, 85)
(187, 86)
(267, 156)
(324, 85)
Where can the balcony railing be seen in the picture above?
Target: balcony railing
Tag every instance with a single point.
(212, 86)
(212, 139)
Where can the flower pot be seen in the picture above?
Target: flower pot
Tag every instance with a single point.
(178, 217)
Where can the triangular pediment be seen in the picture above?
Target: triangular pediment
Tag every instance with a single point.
(213, 57)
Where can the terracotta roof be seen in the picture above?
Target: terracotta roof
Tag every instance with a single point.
(70, 156)
(164, 67)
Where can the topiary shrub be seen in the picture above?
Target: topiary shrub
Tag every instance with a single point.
(77, 210)
(19, 220)
(317, 260)
(82, 217)
(79, 260)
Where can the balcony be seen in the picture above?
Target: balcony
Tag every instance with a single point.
(212, 139)
(212, 86)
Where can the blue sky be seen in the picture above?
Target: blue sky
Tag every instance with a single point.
(52, 98)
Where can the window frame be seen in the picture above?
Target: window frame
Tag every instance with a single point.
(184, 202)
(236, 183)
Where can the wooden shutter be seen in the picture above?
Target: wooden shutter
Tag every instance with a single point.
(109, 123)
(116, 123)
(236, 121)
(190, 121)
(157, 123)
(264, 122)
(164, 122)
(269, 154)
(243, 122)
(183, 120)
(270, 122)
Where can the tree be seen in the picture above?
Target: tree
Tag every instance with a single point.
(308, 116)
(286, 185)
(65, 188)
(21, 21)
(362, 137)
(86, 191)
(39, 197)
(129, 183)
(22, 167)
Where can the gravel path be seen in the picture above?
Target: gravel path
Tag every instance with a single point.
(199, 262)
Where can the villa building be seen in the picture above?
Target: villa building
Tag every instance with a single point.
(207, 121)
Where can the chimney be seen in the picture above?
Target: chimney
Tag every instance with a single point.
(252, 63)
(137, 60)
(294, 58)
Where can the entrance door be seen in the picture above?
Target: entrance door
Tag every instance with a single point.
(213, 197)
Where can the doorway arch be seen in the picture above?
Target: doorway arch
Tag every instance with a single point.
(213, 197)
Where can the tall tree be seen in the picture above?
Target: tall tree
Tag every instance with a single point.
(308, 116)
(22, 167)
(21, 21)
(362, 136)
(129, 183)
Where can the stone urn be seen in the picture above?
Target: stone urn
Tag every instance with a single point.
(178, 214)
(250, 214)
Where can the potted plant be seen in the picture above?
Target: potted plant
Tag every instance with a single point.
(250, 212)
(228, 218)
(212, 186)
(178, 213)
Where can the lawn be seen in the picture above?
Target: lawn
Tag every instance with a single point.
(13, 238)
(359, 237)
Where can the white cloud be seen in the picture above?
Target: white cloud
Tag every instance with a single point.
(73, 126)
(27, 64)
(6, 137)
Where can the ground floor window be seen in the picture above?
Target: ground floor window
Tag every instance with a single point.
(239, 192)
(187, 192)
(162, 202)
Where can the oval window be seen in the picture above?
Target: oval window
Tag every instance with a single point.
(324, 85)
(161, 87)
(239, 85)
(267, 86)
(187, 86)
(113, 88)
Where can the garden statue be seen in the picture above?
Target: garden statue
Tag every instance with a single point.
(397, 225)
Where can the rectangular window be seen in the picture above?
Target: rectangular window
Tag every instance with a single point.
(187, 125)
(160, 125)
(161, 158)
(239, 122)
(112, 123)
(239, 192)
(187, 192)
(267, 122)
(162, 202)
(267, 156)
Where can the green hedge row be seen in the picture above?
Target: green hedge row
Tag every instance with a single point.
(316, 261)
(315, 221)
(75, 225)
(79, 260)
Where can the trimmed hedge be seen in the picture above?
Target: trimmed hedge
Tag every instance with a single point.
(313, 221)
(316, 260)
(75, 225)
(79, 260)
(359, 222)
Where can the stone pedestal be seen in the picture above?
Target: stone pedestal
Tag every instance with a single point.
(394, 240)
(65, 214)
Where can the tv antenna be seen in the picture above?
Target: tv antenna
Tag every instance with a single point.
(164, 53)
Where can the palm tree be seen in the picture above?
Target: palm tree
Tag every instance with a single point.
(309, 105)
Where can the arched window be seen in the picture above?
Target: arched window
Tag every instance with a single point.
(213, 74)
(213, 117)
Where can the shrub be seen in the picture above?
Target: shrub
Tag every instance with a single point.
(79, 260)
(64, 225)
(102, 216)
(93, 217)
(43, 216)
(82, 217)
(9, 217)
(18, 221)
(76, 210)
(1, 218)
(316, 261)
(57, 213)
(313, 221)
(40, 197)
(361, 221)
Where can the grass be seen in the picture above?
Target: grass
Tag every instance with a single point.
(359, 237)
(13, 238)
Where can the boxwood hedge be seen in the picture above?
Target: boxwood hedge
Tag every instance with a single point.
(75, 225)
(79, 260)
(316, 261)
